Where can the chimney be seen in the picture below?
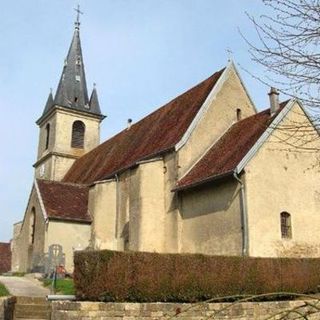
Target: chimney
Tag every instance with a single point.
(274, 100)
(129, 124)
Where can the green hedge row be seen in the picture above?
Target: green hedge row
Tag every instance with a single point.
(148, 277)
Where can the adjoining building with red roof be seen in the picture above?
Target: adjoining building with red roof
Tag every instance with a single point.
(5, 257)
(205, 173)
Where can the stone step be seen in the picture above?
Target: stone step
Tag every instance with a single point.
(48, 318)
(32, 315)
(32, 300)
(32, 311)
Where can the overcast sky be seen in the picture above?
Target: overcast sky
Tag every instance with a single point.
(141, 54)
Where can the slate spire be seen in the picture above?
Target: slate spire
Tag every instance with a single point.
(72, 89)
(49, 103)
(94, 101)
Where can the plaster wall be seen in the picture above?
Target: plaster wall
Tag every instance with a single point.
(102, 206)
(283, 177)
(220, 115)
(137, 210)
(152, 207)
(211, 219)
(134, 211)
(172, 217)
(71, 236)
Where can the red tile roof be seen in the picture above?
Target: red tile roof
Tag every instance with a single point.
(65, 201)
(5, 257)
(151, 136)
(223, 157)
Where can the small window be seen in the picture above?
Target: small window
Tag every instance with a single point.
(78, 130)
(32, 225)
(286, 230)
(47, 135)
(78, 78)
(239, 115)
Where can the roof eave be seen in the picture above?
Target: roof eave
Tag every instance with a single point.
(45, 116)
(204, 181)
(71, 220)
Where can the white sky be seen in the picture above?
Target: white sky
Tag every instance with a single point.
(141, 54)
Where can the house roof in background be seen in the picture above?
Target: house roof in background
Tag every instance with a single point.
(5, 257)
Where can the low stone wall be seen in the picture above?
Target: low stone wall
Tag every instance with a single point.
(132, 311)
(7, 308)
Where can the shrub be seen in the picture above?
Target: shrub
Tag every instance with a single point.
(3, 290)
(148, 277)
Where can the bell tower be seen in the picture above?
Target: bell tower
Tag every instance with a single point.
(70, 123)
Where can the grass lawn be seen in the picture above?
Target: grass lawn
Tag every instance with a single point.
(3, 291)
(64, 286)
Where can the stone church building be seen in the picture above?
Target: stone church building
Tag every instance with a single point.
(205, 173)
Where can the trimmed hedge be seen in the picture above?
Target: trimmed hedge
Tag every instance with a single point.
(149, 277)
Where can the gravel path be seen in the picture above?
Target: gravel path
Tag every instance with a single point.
(22, 286)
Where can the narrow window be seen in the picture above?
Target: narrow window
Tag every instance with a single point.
(125, 236)
(32, 225)
(47, 135)
(239, 114)
(286, 230)
(78, 130)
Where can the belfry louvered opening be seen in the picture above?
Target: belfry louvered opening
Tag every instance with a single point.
(78, 131)
(47, 135)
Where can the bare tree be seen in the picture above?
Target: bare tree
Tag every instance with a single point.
(289, 47)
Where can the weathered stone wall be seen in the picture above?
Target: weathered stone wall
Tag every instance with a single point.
(29, 253)
(132, 311)
(15, 247)
(7, 308)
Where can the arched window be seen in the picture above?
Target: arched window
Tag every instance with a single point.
(239, 115)
(32, 226)
(78, 130)
(47, 135)
(285, 221)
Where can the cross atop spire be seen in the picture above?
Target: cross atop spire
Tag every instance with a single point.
(77, 23)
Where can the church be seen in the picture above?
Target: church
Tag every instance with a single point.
(206, 173)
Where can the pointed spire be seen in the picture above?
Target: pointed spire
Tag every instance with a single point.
(49, 103)
(72, 88)
(94, 101)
